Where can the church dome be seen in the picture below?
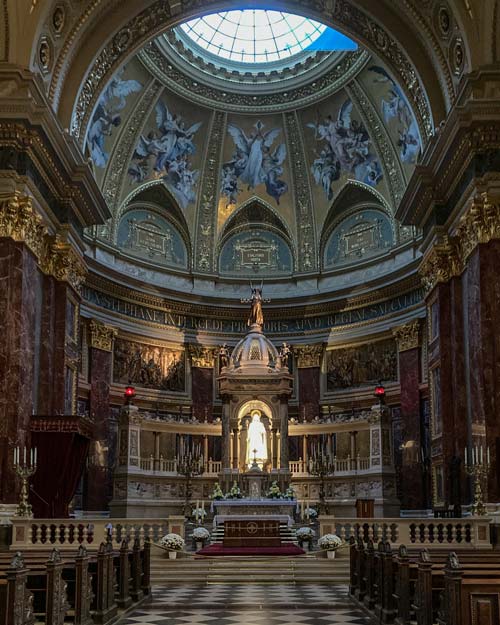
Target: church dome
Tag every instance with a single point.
(255, 351)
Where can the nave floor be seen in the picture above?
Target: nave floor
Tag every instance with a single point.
(249, 604)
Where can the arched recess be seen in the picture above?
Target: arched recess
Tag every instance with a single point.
(81, 76)
(256, 228)
(156, 196)
(354, 198)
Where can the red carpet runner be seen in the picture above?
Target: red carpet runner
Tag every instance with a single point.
(219, 550)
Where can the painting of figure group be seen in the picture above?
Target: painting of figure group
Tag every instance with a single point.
(149, 366)
(254, 162)
(344, 148)
(165, 154)
(395, 107)
(364, 365)
(107, 115)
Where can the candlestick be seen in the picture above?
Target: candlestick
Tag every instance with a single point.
(24, 471)
(479, 470)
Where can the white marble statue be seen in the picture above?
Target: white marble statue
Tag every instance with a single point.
(256, 440)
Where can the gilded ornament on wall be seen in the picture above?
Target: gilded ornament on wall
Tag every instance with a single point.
(101, 336)
(203, 357)
(364, 365)
(408, 335)
(308, 355)
(150, 366)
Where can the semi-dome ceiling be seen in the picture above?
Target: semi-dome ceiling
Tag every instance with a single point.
(214, 169)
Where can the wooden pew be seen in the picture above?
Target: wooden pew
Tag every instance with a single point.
(16, 601)
(104, 607)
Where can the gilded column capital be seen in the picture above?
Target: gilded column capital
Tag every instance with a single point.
(479, 224)
(203, 357)
(20, 222)
(408, 335)
(308, 355)
(442, 262)
(65, 264)
(101, 335)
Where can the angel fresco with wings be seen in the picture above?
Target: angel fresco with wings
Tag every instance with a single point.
(106, 116)
(165, 154)
(254, 162)
(345, 149)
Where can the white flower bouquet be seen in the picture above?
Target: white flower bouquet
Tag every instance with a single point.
(198, 513)
(311, 513)
(330, 542)
(235, 492)
(305, 534)
(274, 492)
(217, 492)
(200, 534)
(173, 541)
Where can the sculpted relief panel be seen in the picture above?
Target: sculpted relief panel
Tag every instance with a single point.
(363, 365)
(149, 366)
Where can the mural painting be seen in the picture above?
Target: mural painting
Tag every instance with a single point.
(255, 252)
(165, 152)
(396, 112)
(256, 159)
(362, 235)
(343, 146)
(149, 236)
(107, 115)
(363, 365)
(149, 366)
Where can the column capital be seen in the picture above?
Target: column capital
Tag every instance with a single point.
(101, 335)
(309, 355)
(441, 262)
(203, 357)
(408, 335)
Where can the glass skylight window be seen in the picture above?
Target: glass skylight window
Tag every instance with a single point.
(261, 36)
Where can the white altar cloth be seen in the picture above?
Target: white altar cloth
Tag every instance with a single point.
(282, 518)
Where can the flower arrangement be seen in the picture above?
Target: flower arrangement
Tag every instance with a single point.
(173, 541)
(198, 514)
(311, 513)
(290, 493)
(330, 542)
(274, 492)
(305, 534)
(217, 492)
(235, 492)
(200, 534)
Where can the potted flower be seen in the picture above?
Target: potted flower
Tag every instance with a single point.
(274, 492)
(311, 513)
(200, 535)
(305, 535)
(330, 542)
(199, 514)
(174, 543)
(235, 492)
(290, 493)
(217, 492)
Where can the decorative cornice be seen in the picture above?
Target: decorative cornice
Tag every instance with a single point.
(101, 336)
(203, 357)
(441, 263)
(65, 264)
(408, 335)
(308, 355)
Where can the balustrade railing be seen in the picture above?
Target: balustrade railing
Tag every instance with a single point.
(468, 532)
(212, 467)
(344, 465)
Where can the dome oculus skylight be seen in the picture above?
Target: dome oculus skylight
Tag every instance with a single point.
(261, 36)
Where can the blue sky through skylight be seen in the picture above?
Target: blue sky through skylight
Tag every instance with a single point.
(261, 36)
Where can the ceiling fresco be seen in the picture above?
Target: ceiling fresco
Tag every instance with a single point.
(295, 156)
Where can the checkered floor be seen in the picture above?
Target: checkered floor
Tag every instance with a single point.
(311, 604)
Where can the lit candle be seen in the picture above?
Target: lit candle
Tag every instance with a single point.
(25, 455)
(487, 455)
(482, 448)
(465, 456)
(16, 454)
(36, 454)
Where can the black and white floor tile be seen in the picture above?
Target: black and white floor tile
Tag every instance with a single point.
(249, 604)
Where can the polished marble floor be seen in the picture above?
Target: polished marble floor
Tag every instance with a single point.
(249, 604)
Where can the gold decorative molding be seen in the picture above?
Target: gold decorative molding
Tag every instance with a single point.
(101, 336)
(19, 221)
(308, 355)
(408, 335)
(441, 263)
(203, 357)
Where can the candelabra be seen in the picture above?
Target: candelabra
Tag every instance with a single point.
(25, 470)
(190, 463)
(477, 465)
(321, 466)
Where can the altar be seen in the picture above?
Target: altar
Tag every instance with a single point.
(281, 510)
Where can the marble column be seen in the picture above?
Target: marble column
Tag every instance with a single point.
(284, 451)
(19, 286)
(202, 381)
(411, 472)
(305, 457)
(226, 435)
(99, 478)
(309, 371)
(205, 450)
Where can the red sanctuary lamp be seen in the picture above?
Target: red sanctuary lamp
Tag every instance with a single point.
(129, 393)
(380, 392)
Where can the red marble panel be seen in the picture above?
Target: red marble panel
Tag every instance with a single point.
(202, 392)
(99, 476)
(19, 278)
(309, 392)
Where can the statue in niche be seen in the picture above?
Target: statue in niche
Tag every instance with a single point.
(256, 440)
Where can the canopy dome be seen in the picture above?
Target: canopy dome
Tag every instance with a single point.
(255, 353)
